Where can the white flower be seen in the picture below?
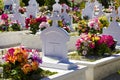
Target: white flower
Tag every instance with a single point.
(44, 25)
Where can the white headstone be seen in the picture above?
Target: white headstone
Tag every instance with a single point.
(55, 18)
(8, 4)
(114, 28)
(32, 9)
(17, 2)
(87, 3)
(54, 46)
(100, 13)
(88, 11)
(66, 17)
(119, 12)
(57, 7)
(18, 16)
(96, 3)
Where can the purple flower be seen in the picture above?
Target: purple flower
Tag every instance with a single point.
(35, 56)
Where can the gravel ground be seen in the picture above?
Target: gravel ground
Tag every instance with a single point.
(114, 76)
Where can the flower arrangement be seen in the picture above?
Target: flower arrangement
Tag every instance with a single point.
(94, 26)
(82, 27)
(4, 23)
(14, 26)
(97, 24)
(97, 45)
(34, 23)
(104, 21)
(43, 25)
(64, 25)
(21, 64)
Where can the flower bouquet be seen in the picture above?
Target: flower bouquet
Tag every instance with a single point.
(4, 23)
(22, 64)
(96, 45)
(14, 26)
(94, 26)
(103, 21)
(33, 23)
(82, 27)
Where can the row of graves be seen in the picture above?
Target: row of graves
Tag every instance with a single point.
(95, 10)
(32, 12)
(54, 39)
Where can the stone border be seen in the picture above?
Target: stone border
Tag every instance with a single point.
(76, 74)
(101, 68)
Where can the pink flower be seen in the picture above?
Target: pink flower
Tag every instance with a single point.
(41, 19)
(93, 23)
(107, 39)
(78, 43)
(44, 24)
(4, 16)
(11, 51)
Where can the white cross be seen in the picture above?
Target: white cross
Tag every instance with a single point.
(55, 18)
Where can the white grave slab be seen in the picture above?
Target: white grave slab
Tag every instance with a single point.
(54, 46)
(114, 28)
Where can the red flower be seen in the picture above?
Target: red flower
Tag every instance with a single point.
(41, 19)
(4, 16)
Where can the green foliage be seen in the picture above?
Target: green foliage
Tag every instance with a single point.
(1, 4)
(3, 28)
(34, 27)
(17, 74)
(25, 2)
(100, 50)
(21, 3)
(15, 27)
(105, 3)
(82, 5)
(82, 27)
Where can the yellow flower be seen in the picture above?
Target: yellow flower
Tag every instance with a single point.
(95, 38)
(17, 50)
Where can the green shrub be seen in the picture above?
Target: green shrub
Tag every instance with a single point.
(15, 27)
